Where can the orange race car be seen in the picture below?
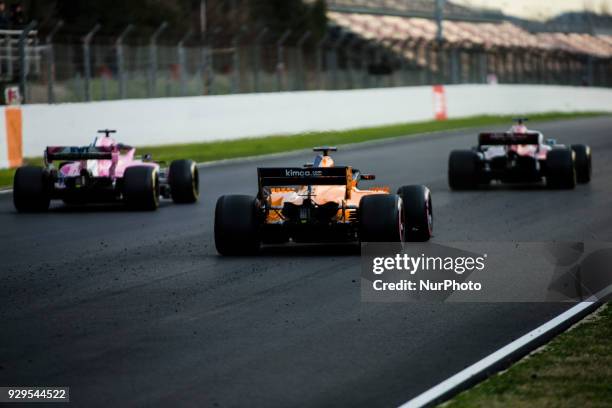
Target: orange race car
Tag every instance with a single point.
(320, 202)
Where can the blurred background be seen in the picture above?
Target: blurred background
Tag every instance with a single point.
(91, 50)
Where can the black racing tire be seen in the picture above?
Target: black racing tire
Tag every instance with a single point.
(463, 170)
(418, 213)
(560, 171)
(583, 163)
(184, 181)
(31, 189)
(141, 188)
(237, 225)
(381, 218)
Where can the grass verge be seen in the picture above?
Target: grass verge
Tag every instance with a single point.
(573, 370)
(209, 151)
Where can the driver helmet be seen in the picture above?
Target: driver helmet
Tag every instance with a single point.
(519, 128)
(323, 161)
(104, 142)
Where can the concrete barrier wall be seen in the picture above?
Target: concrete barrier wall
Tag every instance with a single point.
(198, 119)
(468, 100)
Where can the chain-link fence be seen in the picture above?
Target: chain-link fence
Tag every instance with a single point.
(257, 63)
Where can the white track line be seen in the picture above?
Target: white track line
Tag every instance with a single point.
(436, 392)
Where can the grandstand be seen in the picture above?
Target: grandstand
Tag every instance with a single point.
(415, 8)
(506, 47)
(468, 33)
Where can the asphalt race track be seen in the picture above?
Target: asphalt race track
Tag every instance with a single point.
(137, 309)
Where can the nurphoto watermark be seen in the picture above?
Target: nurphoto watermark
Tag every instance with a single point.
(485, 271)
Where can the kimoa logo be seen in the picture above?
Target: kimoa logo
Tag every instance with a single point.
(302, 173)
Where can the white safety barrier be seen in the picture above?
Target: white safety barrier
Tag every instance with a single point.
(205, 118)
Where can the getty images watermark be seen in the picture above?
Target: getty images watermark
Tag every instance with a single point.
(421, 263)
(485, 271)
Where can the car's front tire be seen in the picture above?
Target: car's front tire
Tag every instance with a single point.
(184, 181)
(418, 213)
(381, 218)
(31, 189)
(237, 225)
(583, 163)
(141, 188)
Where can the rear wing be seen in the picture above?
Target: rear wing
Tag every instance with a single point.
(303, 176)
(72, 153)
(504, 139)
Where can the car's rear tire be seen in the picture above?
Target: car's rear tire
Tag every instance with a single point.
(31, 189)
(583, 163)
(141, 188)
(184, 181)
(418, 213)
(381, 218)
(237, 225)
(463, 173)
(560, 171)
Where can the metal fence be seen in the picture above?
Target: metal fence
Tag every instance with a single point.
(90, 71)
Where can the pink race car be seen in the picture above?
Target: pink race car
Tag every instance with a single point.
(519, 155)
(105, 171)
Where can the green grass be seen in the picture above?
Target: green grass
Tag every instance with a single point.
(6, 175)
(573, 370)
(203, 152)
